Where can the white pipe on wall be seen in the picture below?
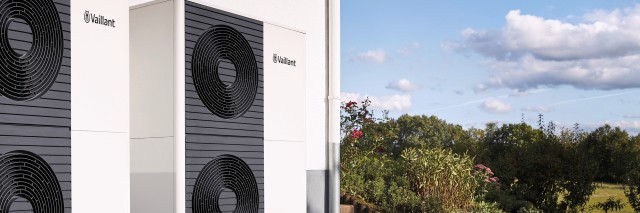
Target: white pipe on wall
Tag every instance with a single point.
(334, 104)
(179, 154)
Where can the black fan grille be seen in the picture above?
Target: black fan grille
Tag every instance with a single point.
(223, 43)
(25, 77)
(209, 135)
(35, 112)
(25, 175)
(225, 172)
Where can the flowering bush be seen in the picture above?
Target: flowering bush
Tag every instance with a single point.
(356, 134)
(486, 181)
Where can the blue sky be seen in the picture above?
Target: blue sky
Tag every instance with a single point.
(473, 62)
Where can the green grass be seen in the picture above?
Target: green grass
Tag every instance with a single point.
(604, 191)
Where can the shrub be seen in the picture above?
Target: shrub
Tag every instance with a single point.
(632, 190)
(485, 207)
(609, 205)
(486, 181)
(441, 175)
(633, 195)
(508, 202)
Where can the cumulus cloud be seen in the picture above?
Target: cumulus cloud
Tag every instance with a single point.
(602, 51)
(391, 103)
(403, 85)
(377, 56)
(496, 106)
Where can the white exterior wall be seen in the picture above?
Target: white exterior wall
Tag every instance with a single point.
(100, 108)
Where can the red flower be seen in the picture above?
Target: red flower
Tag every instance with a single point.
(380, 149)
(356, 134)
(350, 104)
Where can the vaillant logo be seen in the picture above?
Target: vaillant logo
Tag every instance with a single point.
(283, 60)
(98, 19)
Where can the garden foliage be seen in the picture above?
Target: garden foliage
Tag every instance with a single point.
(424, 164)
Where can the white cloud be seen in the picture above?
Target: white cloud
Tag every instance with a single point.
(348, 96)
(480, 88)
(496, 106)
(408, 50)
(633, 127)
(391, 103)
(627, 124)
(519, 93)
(632, 116)
(377, 56)
(403, 85)
(603, 73)
(524, 93)
(600, 52)
(538, 109)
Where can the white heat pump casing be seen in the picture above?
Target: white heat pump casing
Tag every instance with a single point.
(158, 111)
(100, 107)
(285, 122)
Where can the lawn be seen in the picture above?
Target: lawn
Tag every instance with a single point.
(604, 191)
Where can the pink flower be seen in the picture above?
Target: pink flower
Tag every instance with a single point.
(480, 166)
(486, 180)
(494, 179)
(488, 170)
(356, 134)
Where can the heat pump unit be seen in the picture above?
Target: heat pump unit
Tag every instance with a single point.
(63, 106)
(218, 111)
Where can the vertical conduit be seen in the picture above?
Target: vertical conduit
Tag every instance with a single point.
(333, 34)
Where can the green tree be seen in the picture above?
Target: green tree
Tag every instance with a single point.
(612, 149)
(535, 165)
(427, 132)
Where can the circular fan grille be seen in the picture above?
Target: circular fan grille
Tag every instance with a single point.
(223, 43)
(28, 76)
(226, 172)
(25, 175)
